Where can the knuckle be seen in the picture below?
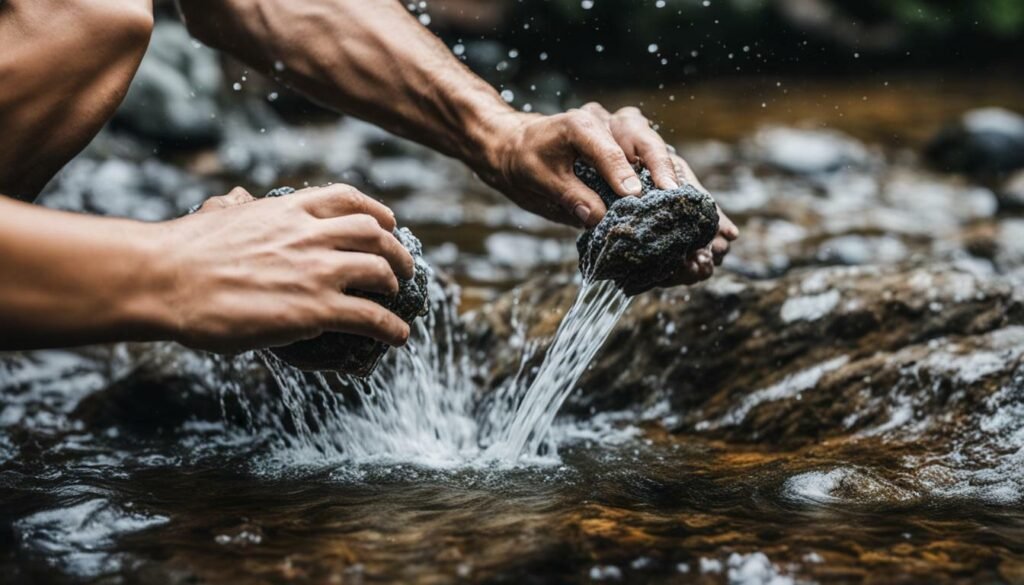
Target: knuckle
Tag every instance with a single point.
(381, 266)
(631, 112)
(364, 223)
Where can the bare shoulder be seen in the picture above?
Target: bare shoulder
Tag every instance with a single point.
(66, 65)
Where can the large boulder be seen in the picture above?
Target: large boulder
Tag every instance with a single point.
(794, 360)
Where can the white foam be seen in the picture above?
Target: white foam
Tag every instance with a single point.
(809, 308)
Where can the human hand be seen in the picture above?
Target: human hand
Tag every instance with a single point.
(530, 159)
(247, 273)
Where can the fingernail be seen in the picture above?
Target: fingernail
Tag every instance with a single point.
(671, 184)
(582, 212)
(632, 185)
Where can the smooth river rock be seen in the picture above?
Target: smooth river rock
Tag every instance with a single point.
(985, 142)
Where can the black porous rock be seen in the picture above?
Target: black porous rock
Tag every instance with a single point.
(643, 240)
(356, 354)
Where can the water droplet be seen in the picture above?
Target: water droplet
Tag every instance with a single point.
(236, 86)
(424, 19)
(652, 48)
(507, 95)
(587, 4)
(599, 48)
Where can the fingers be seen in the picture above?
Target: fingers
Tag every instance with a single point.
(682, 169)
(726, 228)
(362, 233)
(697, 267)
(599, 112)
(365, 272)
(236, 196)
(336, 200)
(364, 317)
(581, 201)
(592, 139)
(719, 248)
(635, 136)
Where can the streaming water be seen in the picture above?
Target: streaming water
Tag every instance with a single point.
(422, 406)
(526, 408)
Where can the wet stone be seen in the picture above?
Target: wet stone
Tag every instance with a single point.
(356, 354)
(642, 240)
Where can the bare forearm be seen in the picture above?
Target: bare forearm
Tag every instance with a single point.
(68, 279)
(370, 58)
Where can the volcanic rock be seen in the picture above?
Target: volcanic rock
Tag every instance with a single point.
(643, 240)
(356, 354)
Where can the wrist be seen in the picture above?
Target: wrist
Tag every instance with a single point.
(491, 134)
(147, 309)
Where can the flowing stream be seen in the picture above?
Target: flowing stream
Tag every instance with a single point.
(422, 406)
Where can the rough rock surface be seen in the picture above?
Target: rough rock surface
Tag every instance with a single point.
(816, 354)
(356, 354)
(642, 240)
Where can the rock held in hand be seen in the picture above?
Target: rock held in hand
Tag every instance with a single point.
(642, 241)
(356, 354)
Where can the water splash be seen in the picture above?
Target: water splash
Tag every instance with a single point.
(523, 426)
(422, 406)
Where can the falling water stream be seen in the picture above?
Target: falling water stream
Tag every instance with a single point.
(421, 404)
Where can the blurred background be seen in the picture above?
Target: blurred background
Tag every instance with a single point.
(798, 114)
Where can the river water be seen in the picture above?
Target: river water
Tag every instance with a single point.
(153, 464)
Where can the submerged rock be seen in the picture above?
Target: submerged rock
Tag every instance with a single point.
(643, 240)
(356, 354)
(985, 142)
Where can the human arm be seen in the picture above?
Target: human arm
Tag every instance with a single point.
(241, 274)
(371, 58)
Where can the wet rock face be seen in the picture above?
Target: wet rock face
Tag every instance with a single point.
(816, 354)
(355, 354)
(642, 240)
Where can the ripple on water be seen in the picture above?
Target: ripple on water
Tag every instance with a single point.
(79, 538)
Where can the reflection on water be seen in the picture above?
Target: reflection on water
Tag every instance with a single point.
(649, 508)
